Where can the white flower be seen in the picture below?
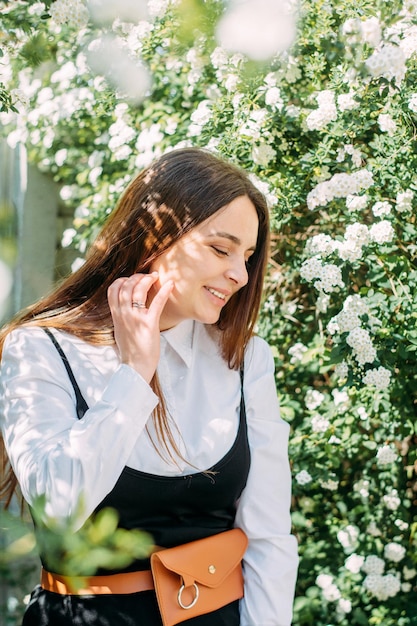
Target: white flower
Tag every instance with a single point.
(344, 322)
(331, 484)
(354, 563)
(386, 123)
(230, 82)
(386, 455)
(344, 606)
(404, 200)
(61, 156)
(363, 415)
(360, 341)
(412, 103)
(202, 114)
(273, 98)
(71, 12)
(265, 189)
(334, 440)
(148, 138)
(339, 186)
(67, 237)
(326, 112)
(263, 154)
(319, 424)
(356, 203)
(254, 124)
(373, 565)
(75, 265)
(331, 593)
(303, 477)
(296, 352)
(341, 370)
(394, 552)
(68, 191)
(321, 244)
(324, 580)
(347, 102)
(400, 523)
(381, 208)
(311, 269)
(354, 153)
(219, 58)
(379, 377)
(348, 538)
(409, 43)
(371, 31)
(322, 302)
(387, 62)
(292, 110)
(340, 398)
(373, 529)
(330, 278)
(362, 488)
(382, 587)
(382, 232)
(313, 399)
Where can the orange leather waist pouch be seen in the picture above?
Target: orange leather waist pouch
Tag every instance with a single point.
(199, 577)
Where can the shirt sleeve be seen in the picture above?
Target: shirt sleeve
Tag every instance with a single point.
(73, 463)
(271, 560)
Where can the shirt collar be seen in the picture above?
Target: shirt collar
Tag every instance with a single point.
(180, 338)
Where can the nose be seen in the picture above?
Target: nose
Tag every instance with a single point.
(237, 272)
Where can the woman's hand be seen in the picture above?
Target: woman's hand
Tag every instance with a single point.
(136, 326)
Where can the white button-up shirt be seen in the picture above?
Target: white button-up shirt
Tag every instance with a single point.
(55, 454)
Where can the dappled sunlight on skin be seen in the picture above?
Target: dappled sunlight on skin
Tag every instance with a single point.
(212, 256)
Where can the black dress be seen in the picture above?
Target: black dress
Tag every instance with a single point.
(174, 510)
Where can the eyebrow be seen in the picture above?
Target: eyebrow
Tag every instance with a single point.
(231, 238)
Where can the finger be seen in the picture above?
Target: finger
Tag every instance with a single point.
(160, 299)
(114, 290)
(136, 288)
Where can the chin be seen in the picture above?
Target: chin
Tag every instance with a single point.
(208, 319)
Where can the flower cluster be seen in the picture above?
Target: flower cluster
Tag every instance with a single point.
(339, 186)
(71, 12)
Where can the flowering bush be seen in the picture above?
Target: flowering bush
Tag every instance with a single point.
(327, 130)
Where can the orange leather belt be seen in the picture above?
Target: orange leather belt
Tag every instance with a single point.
(129, 582)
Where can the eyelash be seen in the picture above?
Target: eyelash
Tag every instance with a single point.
(224, 253)
(220, 252)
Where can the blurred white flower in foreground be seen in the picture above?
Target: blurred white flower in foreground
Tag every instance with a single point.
(106, 57)
(106, 11)
(258, 28)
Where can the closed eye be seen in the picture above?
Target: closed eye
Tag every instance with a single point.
(220, 252)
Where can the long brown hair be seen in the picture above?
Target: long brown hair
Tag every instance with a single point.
(180, 190)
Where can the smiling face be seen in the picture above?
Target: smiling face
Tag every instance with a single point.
(208, 264)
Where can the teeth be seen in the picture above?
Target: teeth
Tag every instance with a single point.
(216, 293)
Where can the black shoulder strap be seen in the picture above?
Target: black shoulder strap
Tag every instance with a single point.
(242, 398)
(81, 404)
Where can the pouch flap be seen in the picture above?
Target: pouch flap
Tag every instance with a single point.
(207, 561)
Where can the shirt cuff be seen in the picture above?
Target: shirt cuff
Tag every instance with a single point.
(130, 393)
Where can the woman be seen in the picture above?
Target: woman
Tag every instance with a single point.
(171, 416)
